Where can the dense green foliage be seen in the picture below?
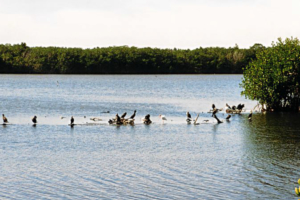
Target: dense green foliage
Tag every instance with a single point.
(273, 78)
(122, 60)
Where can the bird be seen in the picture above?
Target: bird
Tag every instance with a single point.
(4, 119)
(34, 120)
(206, 120)
(118, 119)
(228, 117)
(72, 120)
(147, 120)
(240, 106)
(189, 117)
(228, 106)
(250, 116)
(124, 114)
(146, 117)
(133, 115)
(163, 118)
(213, 106)
(214, 111)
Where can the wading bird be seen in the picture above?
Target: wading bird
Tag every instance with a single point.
(250, 116)
(163, 118)
(228, 106)
(228, 117)
(118, 119)
(72, 122)
(34, 120)
(123, 116)
(4, 119)
(240, 106)
(188, 117)
(147, 120)
(133, 115)
(214, 112)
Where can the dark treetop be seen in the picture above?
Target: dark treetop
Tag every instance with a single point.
(274, 77)
(20, 58)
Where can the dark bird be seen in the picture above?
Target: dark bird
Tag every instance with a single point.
(34, 120)
(228, 117)
(214, 112)
(240, 106)
(118, 119)
(250, 116)
(189, 117)
(228, 106)
(213, 106)
(147, 116)
(4, 119)
(133, 115)
(124, 114)
(233, 107)
(206, 120)
(72, 120)
(147, 120)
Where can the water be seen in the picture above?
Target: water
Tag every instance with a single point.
(233, 160)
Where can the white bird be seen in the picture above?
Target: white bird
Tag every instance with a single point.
(163, 118)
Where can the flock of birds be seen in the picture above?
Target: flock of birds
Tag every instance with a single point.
(121, 120)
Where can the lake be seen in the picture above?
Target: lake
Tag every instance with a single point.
(236, 159)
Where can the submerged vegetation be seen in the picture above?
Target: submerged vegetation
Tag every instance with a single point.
(274, 77)
(20, 58)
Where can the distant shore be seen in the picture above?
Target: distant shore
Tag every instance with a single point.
(21, 59)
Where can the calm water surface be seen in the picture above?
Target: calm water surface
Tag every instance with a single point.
(233, 160)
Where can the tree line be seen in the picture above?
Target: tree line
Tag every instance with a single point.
(20, 58)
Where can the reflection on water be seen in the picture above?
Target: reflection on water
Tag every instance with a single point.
(233, 160)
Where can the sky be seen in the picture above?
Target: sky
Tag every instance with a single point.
(183, 24)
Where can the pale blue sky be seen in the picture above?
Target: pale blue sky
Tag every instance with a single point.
(148, 23)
